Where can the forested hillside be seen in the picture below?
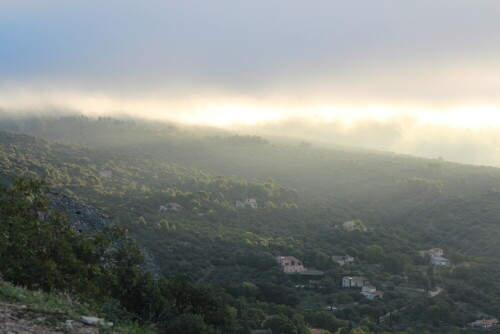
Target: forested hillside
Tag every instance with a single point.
(185, 193)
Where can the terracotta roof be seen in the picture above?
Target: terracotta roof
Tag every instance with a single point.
(359, 279)
(488, 322)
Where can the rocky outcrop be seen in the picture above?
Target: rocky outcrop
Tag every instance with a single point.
(81, 216)
(20, 319)
(87, 219)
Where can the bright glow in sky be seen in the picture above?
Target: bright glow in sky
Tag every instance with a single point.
(222, 111)
(226, 62)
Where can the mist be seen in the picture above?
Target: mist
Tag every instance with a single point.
(479, 146)
(400, 135)
(416, 78)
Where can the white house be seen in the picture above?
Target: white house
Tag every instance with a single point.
(437, 257)
(252, 202)
(342, 260)
(290, 264)
(105, 174)
(440, 261)
(349, 225)
(354, 282)
(353, 225)
(171, 207)
(370, 292)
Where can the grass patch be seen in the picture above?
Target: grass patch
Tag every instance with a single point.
(51, 302)
(60, 306)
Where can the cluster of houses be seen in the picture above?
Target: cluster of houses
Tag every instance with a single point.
(250, 202)
(369, 291)
(483, 323)
(290, 264)
(437, 257)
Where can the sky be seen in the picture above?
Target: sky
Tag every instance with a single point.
(418, 77)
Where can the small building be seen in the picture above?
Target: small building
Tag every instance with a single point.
(436, 255)
(440, 261)
(251, 202)
(370, 292)
(349, 225)
(105, 174)
(354, 282)
(171, 207)
(342, 260)
(484, 323)
(436, 251)
(329, 308)
(433, 252)
(368, 288)
(290, 264)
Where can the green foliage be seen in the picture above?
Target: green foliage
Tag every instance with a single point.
(324, 320)
(61, 306)
(374, 254)
(40, 249)
(280, 324)
(189, 324)
(406, 204)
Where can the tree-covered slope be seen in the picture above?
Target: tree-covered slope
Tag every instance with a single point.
(303, 193)
(457, 203)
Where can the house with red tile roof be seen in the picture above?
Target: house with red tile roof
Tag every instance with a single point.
(484, 323)
(290, 264)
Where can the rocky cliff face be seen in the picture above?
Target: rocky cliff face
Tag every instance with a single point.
(87, 219)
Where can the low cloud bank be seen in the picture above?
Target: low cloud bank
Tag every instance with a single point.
(480, 146)
(404, 134)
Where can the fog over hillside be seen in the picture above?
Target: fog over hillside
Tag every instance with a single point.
(479, 146)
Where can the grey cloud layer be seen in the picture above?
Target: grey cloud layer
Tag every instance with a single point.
(168, 56)
(382, 50)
